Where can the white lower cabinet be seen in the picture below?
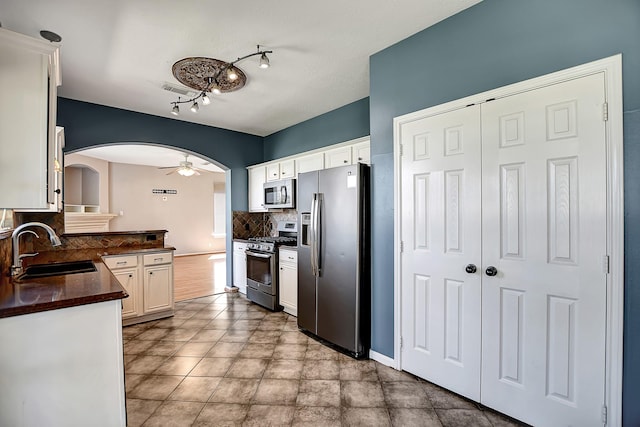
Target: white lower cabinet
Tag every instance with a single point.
(288, 280)
(240, 266)
(150, 298)
(129, 279)
(158, 289)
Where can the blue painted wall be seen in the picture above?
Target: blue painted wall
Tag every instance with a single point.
(87, 125)
(492, 44)
(343, 124)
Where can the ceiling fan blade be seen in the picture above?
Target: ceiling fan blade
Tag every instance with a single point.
(173, 171)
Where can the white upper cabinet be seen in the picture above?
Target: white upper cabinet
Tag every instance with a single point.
(311, 162)
(29, 76)
(273, 172)
(361, 153)
(287, 169)
(337, 157)
(257, 178)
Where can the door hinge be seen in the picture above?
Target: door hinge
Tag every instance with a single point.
(401, 246)
(605, 264)
(401, 151)
(401, 344)
(605, 111)
(604, 414)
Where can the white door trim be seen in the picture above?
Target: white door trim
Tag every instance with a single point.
(612, 69)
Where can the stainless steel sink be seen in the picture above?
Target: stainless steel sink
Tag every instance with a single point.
(57, 269)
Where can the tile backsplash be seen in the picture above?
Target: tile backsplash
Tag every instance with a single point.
(248, 224)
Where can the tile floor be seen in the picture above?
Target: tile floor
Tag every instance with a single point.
(223, 361)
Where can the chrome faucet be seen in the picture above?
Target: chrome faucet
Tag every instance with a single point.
(16, 268)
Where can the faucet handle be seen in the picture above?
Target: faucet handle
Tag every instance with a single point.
(28, 255)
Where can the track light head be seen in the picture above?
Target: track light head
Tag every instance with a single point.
(205, 99)
(175, 110)
(264, 61)
(231, 73)
(195, 107)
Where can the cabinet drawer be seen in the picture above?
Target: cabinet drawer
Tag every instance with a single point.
(159, 258)
(288, 256)
(121, 261)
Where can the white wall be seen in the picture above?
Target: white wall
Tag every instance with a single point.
(100, 166)
(187, 215)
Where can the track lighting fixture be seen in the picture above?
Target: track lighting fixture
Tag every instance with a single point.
(219, 77)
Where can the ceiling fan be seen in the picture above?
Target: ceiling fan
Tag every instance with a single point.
(185, 168)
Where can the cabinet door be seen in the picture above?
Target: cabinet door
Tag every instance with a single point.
(273, 172)
(240, 266)
(257, 178)
(361, 153)
(289, 288)
(337, 157)
(287, 169)
(312, 162)
(158, 289)
(26, 126)
(128, 278)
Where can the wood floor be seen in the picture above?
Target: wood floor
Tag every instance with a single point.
(197, 276)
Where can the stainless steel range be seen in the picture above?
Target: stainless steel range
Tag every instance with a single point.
(262, 265)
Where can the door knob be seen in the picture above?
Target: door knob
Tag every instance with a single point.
(471, 268)
(491, 271)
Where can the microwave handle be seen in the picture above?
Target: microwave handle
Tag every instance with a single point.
(283, 189)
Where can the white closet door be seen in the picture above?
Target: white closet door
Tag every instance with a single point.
(544, 230)
(441, 183)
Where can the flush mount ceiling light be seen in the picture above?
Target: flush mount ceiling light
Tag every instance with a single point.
(208, 75)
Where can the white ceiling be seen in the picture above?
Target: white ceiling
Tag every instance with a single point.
(120, 52)
(147, 155)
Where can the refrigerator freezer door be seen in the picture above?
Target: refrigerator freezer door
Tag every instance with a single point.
(337, 286)
(307, 187)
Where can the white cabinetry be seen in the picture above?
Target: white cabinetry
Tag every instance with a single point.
(29, 76)
(288, 280)
(158, 282)
(311, 162)
(361, 153)
(281, 170)
(151, 298)
(257, 178)
(337, 157)
(240, 266)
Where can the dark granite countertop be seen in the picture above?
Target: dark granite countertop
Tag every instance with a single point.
(70, 290)
(116, 233)
(52, 293)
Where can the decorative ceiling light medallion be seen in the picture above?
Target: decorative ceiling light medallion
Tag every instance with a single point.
(197, 73)
(208, 75)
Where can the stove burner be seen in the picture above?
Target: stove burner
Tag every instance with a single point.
(275, 239)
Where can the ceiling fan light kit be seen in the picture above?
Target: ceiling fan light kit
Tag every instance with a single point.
(209, 75)
(185, 168)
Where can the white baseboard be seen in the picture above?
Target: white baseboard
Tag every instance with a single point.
(385, 360)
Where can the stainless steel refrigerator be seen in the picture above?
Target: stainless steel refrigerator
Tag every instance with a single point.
(334, 256)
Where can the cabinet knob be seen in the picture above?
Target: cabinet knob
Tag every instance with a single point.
(471, 268)
(359, 158)
(344, 161)
(151, 272)
(131, 275)
(58, 191)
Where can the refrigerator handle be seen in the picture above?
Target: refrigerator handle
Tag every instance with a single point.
(313, 234)
(318, 232)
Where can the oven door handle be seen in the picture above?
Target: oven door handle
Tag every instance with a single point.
(256, 254)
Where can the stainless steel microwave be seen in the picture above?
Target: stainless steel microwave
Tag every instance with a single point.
(280, 194)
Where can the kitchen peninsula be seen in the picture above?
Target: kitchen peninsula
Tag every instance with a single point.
(62, 353)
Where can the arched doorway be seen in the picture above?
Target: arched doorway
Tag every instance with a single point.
(141, 187)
